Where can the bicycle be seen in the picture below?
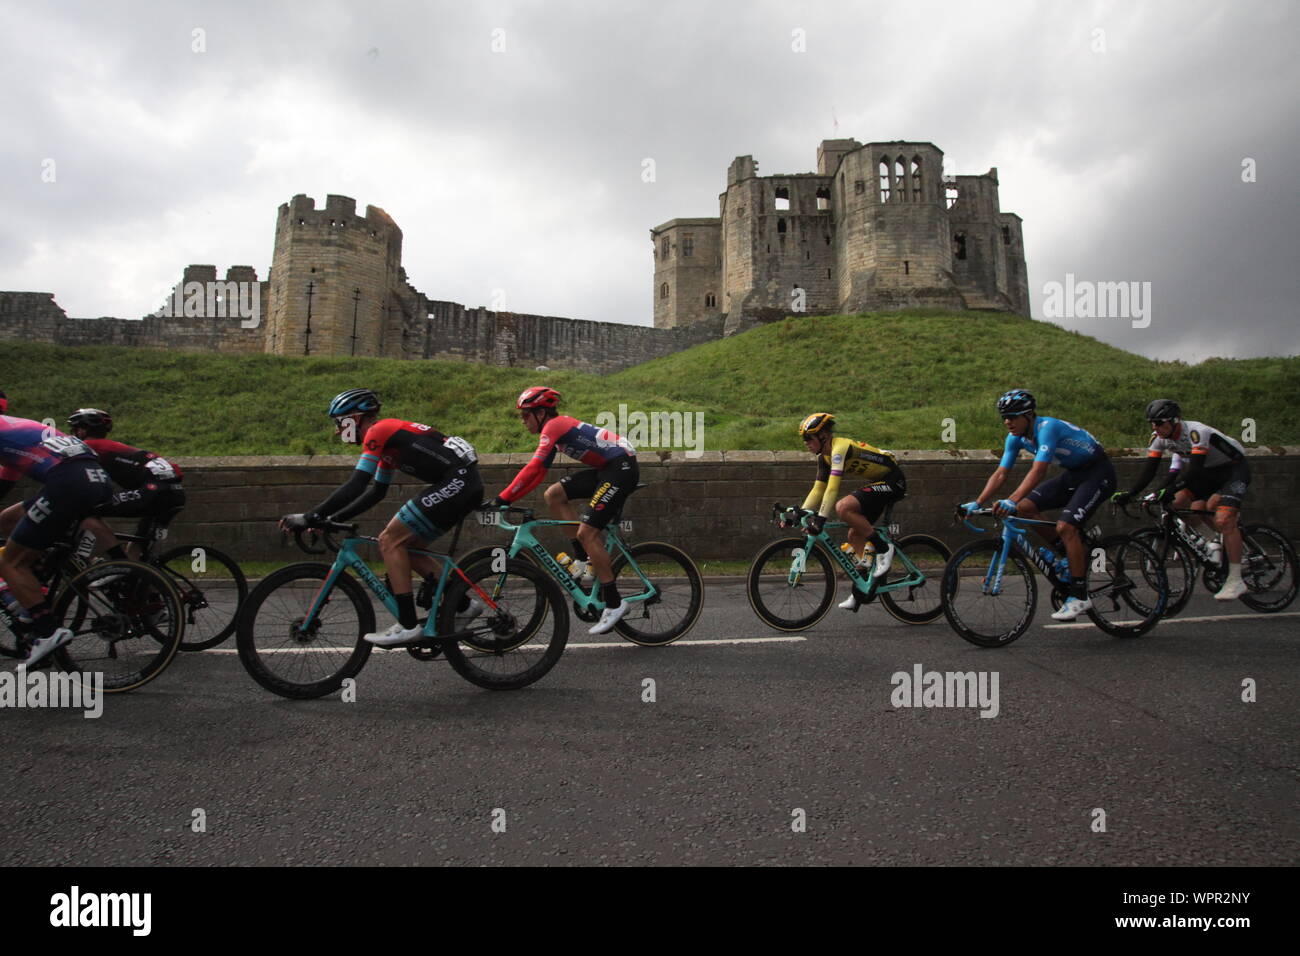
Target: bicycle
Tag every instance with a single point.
(211, 584)
(1268, 562)
(802, 591)
(301, 631)
(1126, 583)
(658, 579)
(126, 619)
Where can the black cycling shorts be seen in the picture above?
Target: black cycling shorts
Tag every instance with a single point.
(1079, 493)
(875, 497)
(1229, 481)
(444, 504)
(73, 490)
(606, 489)
(155, 503)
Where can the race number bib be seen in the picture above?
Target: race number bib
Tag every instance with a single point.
(161, 468)
(66, 446)
(461, 447)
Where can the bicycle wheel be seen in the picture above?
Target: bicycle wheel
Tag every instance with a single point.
(1179, 564)
(982, 611)
(297, 663)
(784, 604)
(127, 623)
(917, 603)
(1127, 586)
(515, 643)
(1268, 566)
(211, 585)
(674, 607)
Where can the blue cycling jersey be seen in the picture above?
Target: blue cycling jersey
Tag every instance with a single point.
(1055, 440)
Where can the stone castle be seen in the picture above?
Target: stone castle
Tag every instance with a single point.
(817, 243)
(877, 227)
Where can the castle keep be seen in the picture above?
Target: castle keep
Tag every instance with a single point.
(877, 227)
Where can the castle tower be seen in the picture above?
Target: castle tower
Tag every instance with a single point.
(688, 271)
(988, 249)
(343, 271)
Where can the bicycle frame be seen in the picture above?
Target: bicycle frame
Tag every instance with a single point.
(868, 587)
(1015, 536)
(347, 558)
(524, 540)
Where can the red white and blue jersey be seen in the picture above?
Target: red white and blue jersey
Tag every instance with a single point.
(32, 449)
(392, 445)
(581, 441)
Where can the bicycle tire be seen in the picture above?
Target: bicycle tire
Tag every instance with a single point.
(1262, 550)
(785, 609)
(971, 563)
(494, 650)
(1179, 563)
(673, 610)
(1131, 586)
(207, 623)
(916, 546)
(277, 654)
(112, 603)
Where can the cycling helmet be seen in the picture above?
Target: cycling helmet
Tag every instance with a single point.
(354, 400)
(1163, 410)
(816, 423)
(1016, 402)
(93, 419)
(539, 396)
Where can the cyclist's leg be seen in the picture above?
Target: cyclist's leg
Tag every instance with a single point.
(617, 481)
(573, 486)
(1053, 493)
(849, 510)
(10, 517)
(1226, 505)
(1093, 485)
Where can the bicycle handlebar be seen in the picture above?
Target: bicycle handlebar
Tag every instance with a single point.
(324, 531)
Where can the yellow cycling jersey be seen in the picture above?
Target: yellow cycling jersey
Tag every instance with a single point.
(861, 461)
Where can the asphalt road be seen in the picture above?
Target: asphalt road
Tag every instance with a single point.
(758, 748)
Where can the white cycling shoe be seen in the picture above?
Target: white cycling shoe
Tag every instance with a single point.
(395, 635)
(883, 560)
(851, 602)
(609, 617)
(1232, 589)
(1071, 609)
(42, 647)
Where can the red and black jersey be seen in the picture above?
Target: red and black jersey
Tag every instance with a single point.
(132, 467)
(420, 450)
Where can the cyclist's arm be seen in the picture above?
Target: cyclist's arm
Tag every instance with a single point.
(1032, 481)
(839, 456)
(1195, 464)
(356, 494)
(996, 481)
(1148, 472)
(814, 499)
(531, 475)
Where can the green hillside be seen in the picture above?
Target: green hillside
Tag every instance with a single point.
(890, 378)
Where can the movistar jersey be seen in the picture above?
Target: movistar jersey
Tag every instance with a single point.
(1197, 438)
(1054, 440)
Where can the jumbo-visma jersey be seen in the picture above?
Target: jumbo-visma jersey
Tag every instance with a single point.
(862, 462)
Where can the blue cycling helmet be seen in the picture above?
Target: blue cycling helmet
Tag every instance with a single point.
(354, 400)
(1016, 402)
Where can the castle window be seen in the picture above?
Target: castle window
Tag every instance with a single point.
(688, 244)
(782, 198)
(1006, 235)
(884, 180)
(780, 225)
(959, 245)
(859, 187)
(807, 255)
(823, 198)
(916, 179)
(741, 213)
(302, 222)
(663, 291)
(900, 180)
(666, 249)
(710, 301)
(907, 268)
(950, 193)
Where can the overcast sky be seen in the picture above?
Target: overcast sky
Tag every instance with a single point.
(1119, 131)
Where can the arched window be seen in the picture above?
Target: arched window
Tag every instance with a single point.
(663, 291)
(916, 179)
(667, 247)
(884, 180)
(710, 301)
(950, 193)
(958, 246)
(1006, 235)
(900, 180)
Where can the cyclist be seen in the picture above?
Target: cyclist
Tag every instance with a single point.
(1087, 479)
(72, 486)
(1208, 471)
(605, 486)
(152, 489)
(455, 489)
(883, 485)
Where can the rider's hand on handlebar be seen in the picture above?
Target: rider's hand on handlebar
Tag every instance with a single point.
(1004, 507)
(815, 523)
(299, 521)
(1121, 498)
(496, 504)
(969, 508)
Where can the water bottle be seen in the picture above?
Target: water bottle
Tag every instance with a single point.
(800, 557)
(565, 560)
(1047, 555)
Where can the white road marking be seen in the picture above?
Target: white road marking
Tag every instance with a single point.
(1188, 620)
(570, 646)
